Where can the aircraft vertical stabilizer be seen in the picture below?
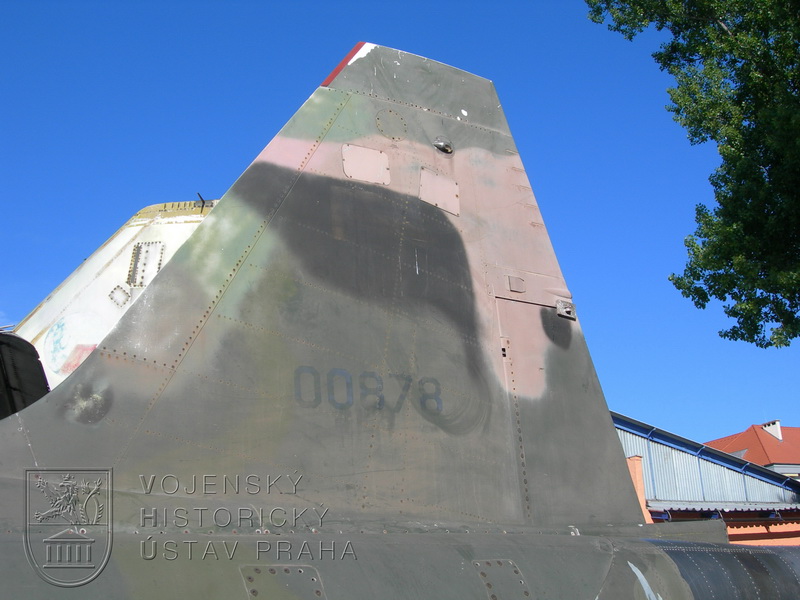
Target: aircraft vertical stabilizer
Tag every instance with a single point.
(67, 326)
(374, 304)
(361, 375)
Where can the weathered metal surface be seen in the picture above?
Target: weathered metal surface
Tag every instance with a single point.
(338, 380)
(76, 316)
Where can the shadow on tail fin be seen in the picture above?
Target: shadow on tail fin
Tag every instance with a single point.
(375, 306)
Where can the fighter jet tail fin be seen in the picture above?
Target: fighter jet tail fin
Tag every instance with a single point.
(375, 306)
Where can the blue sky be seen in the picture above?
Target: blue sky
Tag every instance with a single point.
(110, 106)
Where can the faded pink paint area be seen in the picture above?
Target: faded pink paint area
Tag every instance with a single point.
(499, 220)
(76, 357)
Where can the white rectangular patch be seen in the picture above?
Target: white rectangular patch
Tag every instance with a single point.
(439, 190)
(146, 259)
(365, 164)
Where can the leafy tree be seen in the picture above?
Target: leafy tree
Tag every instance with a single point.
(737, 68)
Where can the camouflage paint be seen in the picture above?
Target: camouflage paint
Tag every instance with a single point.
(370, 341)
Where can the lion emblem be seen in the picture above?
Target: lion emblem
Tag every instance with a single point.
(77, 504)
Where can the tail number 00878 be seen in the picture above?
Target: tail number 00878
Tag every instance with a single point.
(340, 390)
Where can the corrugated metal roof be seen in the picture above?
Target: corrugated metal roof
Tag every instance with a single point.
(679, 472)
(721, 506)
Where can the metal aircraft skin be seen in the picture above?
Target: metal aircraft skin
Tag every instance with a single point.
(361, 376)
(70, 323)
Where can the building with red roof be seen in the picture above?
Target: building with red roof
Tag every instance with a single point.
(769, 445)
(681, 480)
